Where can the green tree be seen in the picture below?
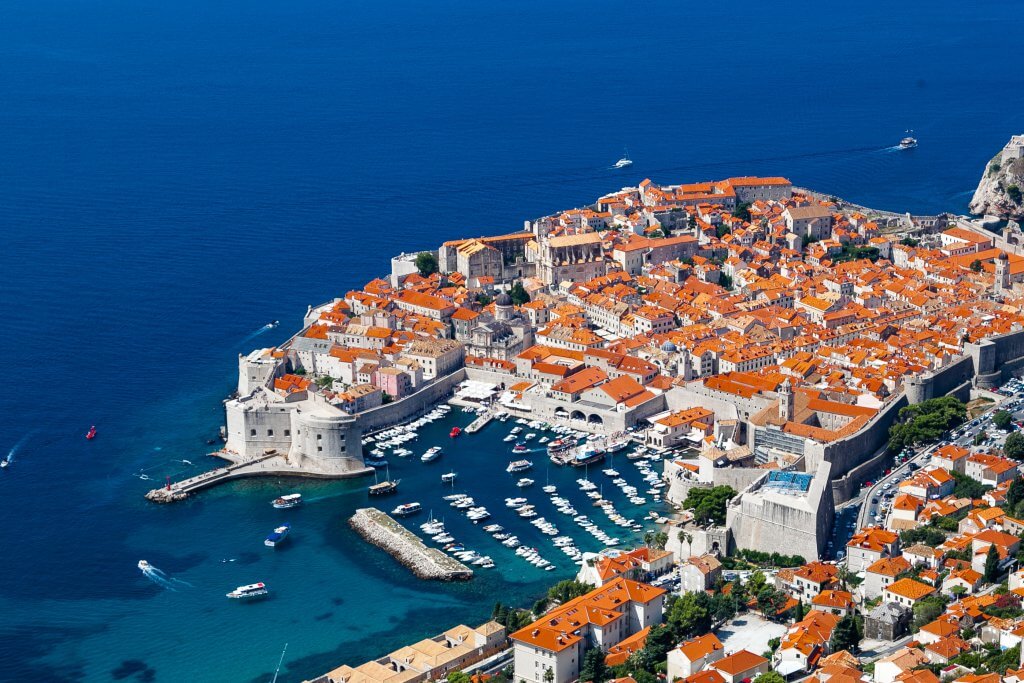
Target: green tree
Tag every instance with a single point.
(847, 635)
(655, 539)
(1013, 447)
(976, 265)
(928, 610)
(549, 675)
(966, 487)
(1002, 419)
(709, 505)
(1015, 494)
(426, 263)
(770, 677)
(980, 437)
(992, 564)
(593, 667)
(459, 677)
(926, 421)
(1014, 193)
(742, 211)
(725, 281)
(518, 294)
(568, 589)
(689, 615)
(770, 602)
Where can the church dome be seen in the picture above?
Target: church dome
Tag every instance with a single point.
(503, 300)
(668, 347)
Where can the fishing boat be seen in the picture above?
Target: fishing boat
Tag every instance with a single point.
(624, 161)
(449, 477)
(286, 502)
(518, 466)
(277, 535)
(91, 434)
(253, 590)
(456, 431)
(406, 509)
(432, 454)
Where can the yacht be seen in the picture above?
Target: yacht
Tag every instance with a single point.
(524, 482)
(277, 535)
(432, 454)
(253, 590)
(520, 447)
(908, 142)
(518, 466)
(291, 500)
(615, 445)
(624, 161)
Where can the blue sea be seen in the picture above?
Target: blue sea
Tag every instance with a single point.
(173, 176)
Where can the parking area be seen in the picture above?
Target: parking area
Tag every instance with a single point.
(749, 632)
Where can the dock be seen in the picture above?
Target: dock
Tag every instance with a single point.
(381, 530)
(479, 423)
(271, 463)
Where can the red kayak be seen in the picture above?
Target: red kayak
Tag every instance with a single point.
(91, 434)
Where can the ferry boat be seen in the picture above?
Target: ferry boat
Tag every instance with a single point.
(91, 434)
(455, 432)
(449, 478)
(518, 466)
(406, 509)
(253, 590)
(624, 161)
(292, 500)
(587, 456)
(277, 535)
(520, 447)
(559, 446)
(383, 488)
(432, 454)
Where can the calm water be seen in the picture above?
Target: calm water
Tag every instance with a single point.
(175, 175)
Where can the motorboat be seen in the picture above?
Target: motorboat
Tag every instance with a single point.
(383, 487)
(518, 466)
(277, 536)
(908, 142)
(449, 477)
(456, 431)
(432, 454)
(520, 447)
(291, 500)
(524, 482)
(624, 161)
(143, 565)
(587, 455)
(91, 434)
(253, 590)
(406, 509)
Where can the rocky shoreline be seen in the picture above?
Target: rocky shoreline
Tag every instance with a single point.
(379, 529)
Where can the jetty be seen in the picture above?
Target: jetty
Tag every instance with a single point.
(268, 464)
(379, 529)
(479, 423)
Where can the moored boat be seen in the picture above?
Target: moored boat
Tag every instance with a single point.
(519, 466)
(587, 455)
(406, 509)
(432, 454)
(449, 477)
(383, 487)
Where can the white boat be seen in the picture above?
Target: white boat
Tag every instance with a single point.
(908, 142)
(550, 489)
(288, 501)
(406, 509)
(449, 478)
(515, 502)
(524, 482)
(518, 466)
(253, 590)
(432, 454)
(510, 437)
(143, 565)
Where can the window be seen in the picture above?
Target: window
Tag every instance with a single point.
(287, 432)
(270, 432)
(252, 432)
(319, 449)
(319, 437)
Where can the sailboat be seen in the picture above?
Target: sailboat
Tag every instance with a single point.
(386, 486)
(624, 161)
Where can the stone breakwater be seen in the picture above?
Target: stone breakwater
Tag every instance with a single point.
(381, 530)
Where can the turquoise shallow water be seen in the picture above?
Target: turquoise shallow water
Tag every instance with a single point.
(175, 175)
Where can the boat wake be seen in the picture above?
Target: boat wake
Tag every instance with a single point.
(160, 578)
(265, 328)
(17, 446)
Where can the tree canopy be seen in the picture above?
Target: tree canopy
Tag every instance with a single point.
(709, 505)
(1013, 447)
(1002, 419)
(426, 263)
(847, 634)
(518, 294)
(594, 668)
(926, 421)
(966, 487)
(568, 589)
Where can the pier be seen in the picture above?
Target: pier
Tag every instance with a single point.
(379, 529)
(270, 464)
(479, 423)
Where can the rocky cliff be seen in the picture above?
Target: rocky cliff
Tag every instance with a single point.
(1000, 191)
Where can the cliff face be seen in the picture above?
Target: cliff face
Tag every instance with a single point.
(1001, 187)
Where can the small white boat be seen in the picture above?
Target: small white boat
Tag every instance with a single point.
(143, 565)
(524, 482)
(624, 161)
(432, 454)
(406, 509)
(289, 501)
(449, 477)
(253, 590)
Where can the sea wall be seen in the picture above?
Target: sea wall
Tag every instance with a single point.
(379, 529)
(404, 409)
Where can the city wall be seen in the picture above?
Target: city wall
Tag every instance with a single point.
(402, 410)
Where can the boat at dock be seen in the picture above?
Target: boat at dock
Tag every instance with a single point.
(286, 502)
(587, 455)
(559, 446)
(616, 444)
(277, 535)
(406, 509)
(518, 466)
(253, 590)
(432, 454)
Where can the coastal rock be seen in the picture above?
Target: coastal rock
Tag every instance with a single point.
(379, 529)
(1001, 187)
